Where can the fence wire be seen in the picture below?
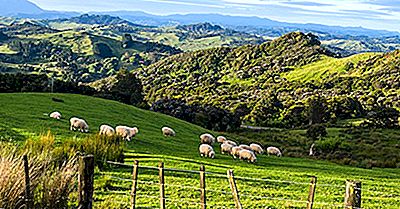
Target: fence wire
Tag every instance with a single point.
(367, 189)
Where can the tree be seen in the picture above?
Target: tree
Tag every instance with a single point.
(316, 132)
(384, 117)
(102, 50)
(316, 110)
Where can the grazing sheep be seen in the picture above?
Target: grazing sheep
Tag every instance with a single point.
(55, 115)
(247, 155)
(226, 148)
(274, 151)
(243, 146)
(167, 131)
(78, 124)
(126, 132)
(257, 148)
(207, 139)
(235, 151)
(221, 139)
(106, 130)
(206, 151)
(230, 142)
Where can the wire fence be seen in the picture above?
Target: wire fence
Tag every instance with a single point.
(249, 192)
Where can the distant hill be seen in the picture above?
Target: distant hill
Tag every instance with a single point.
(262, 26)
(185, 37)
(13, 7)
(95, 20)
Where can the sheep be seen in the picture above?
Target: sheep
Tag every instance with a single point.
(243, 146)
(221, 139)
(235, 151)
(207, 139)
(55, 115)
(106, 130)
(226, 148)
(167, 131)
(126, 132)
(257, 148)
(230, 142)
(78, 124)
(247, 155)
(206, 151)
(274, 151)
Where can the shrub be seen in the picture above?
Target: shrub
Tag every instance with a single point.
(316, 131)
(104, 148)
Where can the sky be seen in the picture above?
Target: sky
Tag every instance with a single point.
(375, 14)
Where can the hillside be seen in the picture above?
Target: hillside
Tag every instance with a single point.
(22, 116)
(185, 37)
(274, 84)
(75, 55)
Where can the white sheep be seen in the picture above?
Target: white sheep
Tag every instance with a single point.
(247, 147)
(206, 151)
(247, 155)
(235, 151)
(257, 148)
(221, 139)
(55, 115)
(106, 130)
(167, 131)
(226, 148)
(78, 124)
(230, 142)
(126, 132)
(207, 139)
(274, 151)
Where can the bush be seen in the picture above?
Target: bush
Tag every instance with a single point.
(206, 116)
(104, 148)
(316, 131)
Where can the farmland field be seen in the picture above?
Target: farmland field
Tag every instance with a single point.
(270, 183)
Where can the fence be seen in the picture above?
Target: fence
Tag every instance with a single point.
(352, 195)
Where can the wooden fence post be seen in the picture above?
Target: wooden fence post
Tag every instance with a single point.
(134, 184)
(311, 193)
(85, 182)
(162, 190)
(28, 197)
(352, 197)
(203, 197)
(235, 193)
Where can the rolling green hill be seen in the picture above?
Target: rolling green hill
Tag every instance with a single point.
(273, 84)
(22, 115)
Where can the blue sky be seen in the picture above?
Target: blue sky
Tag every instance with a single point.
(376, 14)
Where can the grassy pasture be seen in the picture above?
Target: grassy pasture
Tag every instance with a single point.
(285, 182)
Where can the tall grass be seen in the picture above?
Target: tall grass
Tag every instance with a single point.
(52, 168)
(51, 185)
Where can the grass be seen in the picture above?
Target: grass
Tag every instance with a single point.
(4, 49)
(325, 68)
(23, 114)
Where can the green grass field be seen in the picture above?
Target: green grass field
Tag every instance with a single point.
(326, 67)
(286, 179)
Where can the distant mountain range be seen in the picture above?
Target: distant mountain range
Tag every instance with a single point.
(260, 26)
(256, 25)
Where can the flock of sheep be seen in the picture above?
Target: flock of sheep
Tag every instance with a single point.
(243, 152)
(78, 124)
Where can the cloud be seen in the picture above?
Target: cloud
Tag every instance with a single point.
(306, 3)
